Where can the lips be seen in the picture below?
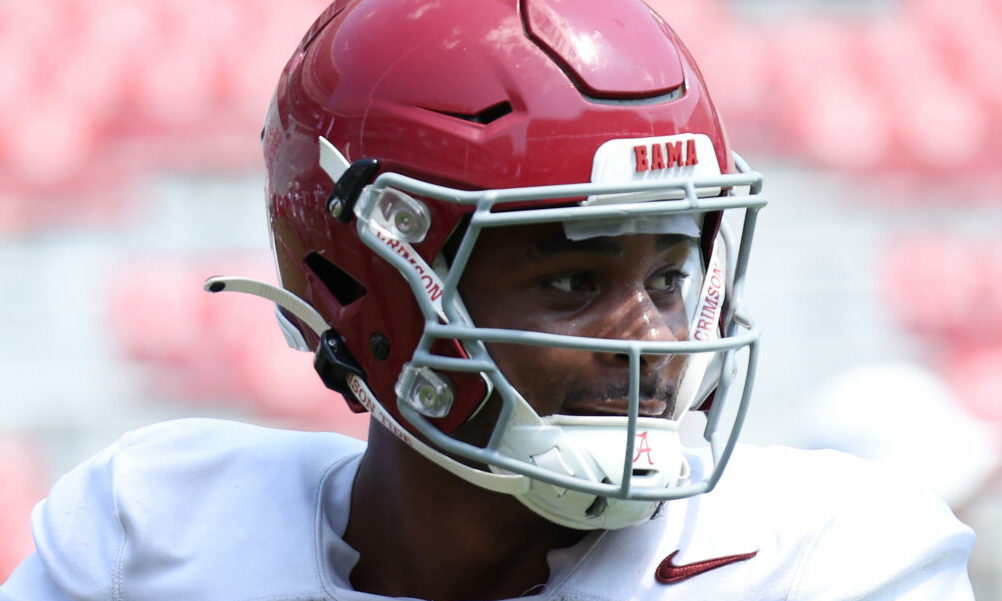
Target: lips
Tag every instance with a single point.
(648, 408)
(656, 400)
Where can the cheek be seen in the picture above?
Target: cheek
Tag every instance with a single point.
(542, 374)
(678, 320)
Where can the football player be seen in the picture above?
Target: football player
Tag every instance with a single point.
(515, 233)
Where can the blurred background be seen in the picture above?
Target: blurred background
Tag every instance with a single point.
(130, 171)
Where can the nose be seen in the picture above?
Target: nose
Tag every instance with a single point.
(637, 317)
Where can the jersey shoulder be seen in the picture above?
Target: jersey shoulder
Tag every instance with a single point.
(200, 503)
(786, 524)
(824, 485)
(830, 525)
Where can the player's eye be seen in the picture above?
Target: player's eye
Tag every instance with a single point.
(667, 281)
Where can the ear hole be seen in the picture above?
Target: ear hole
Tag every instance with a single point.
(451, 246)
(345, 288)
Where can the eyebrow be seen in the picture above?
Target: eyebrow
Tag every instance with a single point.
(605, 245)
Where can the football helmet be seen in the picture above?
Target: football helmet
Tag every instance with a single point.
(401, 131)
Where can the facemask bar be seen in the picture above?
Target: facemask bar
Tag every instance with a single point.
(446, 318)
(722, 447)
(735, 318)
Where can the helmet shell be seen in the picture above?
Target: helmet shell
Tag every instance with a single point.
(511, 94)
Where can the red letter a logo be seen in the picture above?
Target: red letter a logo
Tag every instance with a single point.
(643, 448)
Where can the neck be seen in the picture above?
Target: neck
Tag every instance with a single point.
(422, 532)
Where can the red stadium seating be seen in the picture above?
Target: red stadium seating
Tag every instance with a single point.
(221, 349)
(94, 95)
(944, 289)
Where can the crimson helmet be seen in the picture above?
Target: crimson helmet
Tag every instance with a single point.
(402, 129)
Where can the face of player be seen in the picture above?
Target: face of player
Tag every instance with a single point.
(622, 287)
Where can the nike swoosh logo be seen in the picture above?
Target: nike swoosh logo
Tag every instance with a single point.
(669, 573)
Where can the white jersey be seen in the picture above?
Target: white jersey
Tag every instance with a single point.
(210, 510)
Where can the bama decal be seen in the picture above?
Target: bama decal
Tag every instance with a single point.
(671, 160)
(665, 155)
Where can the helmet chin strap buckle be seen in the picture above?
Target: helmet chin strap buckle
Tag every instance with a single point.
(334, 363)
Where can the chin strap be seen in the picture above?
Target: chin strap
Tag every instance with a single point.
(513, 484)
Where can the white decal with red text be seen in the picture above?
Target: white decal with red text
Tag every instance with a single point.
(663, 155)
(431, 284)
(656, 158)
(706, 319)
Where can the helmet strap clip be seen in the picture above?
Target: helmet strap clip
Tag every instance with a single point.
(334, 364)
(341, 202)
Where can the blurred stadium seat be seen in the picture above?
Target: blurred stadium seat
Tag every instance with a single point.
(946, 291)
(169, 83)
(943, 287)
(91, 100)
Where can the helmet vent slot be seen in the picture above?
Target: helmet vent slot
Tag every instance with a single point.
(487, 115)
(345, 288)
(597, 507)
